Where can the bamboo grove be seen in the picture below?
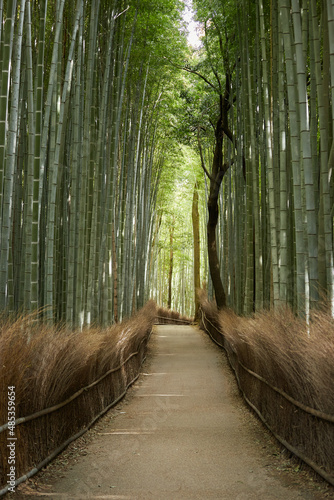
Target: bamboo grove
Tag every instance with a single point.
(81, 151)
(110, 126)
(267, 70)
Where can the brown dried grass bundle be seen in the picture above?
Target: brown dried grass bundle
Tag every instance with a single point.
(168, 316)
(286, 352)
(296, 360)
(47, 364)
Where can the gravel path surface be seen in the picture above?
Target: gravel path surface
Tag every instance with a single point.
(182, 432)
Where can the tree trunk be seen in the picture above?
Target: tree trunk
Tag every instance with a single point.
(306, 156)
(5, 229)
(171, 262)
(197, 267)
(269, 159)
(215, 182)
(8, 34)
(295, 154)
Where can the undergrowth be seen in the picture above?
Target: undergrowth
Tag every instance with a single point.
(292, 356)
(167, 316)
(48, 364)
(280, 347)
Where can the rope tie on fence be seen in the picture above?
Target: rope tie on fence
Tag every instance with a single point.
(311, 411)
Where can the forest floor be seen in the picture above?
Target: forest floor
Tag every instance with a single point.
(182, 432)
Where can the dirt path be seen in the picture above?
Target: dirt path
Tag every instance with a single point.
(181, 433)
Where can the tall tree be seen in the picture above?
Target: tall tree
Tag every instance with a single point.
(196, 236)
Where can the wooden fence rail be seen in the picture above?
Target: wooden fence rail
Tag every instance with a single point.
(304, 431)
(44, 434)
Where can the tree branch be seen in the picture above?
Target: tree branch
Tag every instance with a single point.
(225, 108)
(209, 56)
(219, 35)
(201, 155)
(189, 70)
(117, 15)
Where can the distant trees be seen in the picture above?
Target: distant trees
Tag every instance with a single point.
(172, 279)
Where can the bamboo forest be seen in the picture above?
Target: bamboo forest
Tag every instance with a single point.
(167, 180)
(137, 165)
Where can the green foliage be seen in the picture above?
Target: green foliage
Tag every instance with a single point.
(157, 27)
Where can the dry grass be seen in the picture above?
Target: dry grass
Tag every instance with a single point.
(279, 347)
(49, 364)
(292, 357)
(169, 317)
